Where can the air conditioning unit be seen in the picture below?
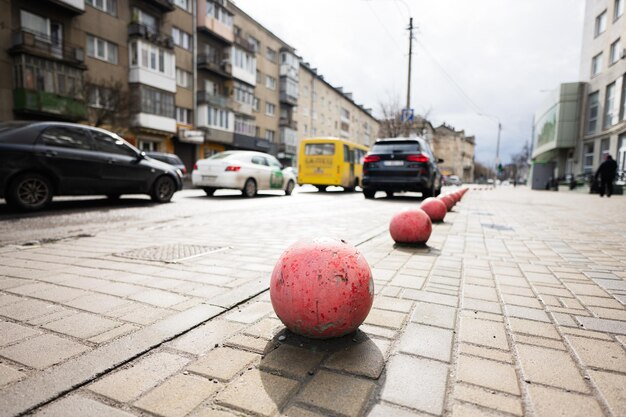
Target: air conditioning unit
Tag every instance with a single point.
(79, 54)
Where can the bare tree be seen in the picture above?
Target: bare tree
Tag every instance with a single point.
(391, 124)
(482, 172)
(108, 102)
(520, 163)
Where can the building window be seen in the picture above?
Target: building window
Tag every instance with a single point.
(183, 116)
(100, 97)
(610, 113)
(35, 24)
(270, 109)
(592, 112)
(258, 77)
(183, 4)
(345, 114)
(183, 78)
(218, 117)
(219, 13)
(147, 20)
(157, 102)
(623, 103)
(616, 50)
(255, 43)
(256, 104)
(101, 49)
(600, 26)
(588, 158)
(243, 93)
(181, 38)
(269, 135)
(244, 126)
(271, 54)
(618, 11)
(39, 74)
(270, 82)
(596, 64)
(244, 60)
(152, 57)
(604, 148)
(107, 6)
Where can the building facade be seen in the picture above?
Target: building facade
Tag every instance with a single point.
(191, 77)
(456, 149)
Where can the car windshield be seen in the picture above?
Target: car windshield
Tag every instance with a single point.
(319, 149)
(396, 147)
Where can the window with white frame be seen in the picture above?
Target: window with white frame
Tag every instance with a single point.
(218, 117)
(244, 60)
(618, 9)
(270, 54)
(181, 38)
(183, 116)
(270, 82)
(596, 64)
(256, 104)
(101, 49)
(107, 6)
(219, 12)
(152, 57)
(270, 109)
(588, 158)
(270, 134)
(622, 110)
(616, 50)
(243, 93)
(183, 4)
(610, 113)
(183, 78)
(244, 126)
(33, 23)
(100, 97)
(158, 102)
(592, 111)
(600, 25)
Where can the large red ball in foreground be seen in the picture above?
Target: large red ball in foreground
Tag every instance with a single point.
(322, 288)
(411, 226)
(435, 208)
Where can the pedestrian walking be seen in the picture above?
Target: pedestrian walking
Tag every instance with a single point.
(607, 172)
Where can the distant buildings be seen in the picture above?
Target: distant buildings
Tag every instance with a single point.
(192, 77)
(582, 122)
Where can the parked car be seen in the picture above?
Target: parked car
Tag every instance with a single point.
(169, 158)
(39, 160)
(248, 171)
(452, 180)
(401, 164)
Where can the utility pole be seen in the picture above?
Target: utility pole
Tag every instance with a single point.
(497, 154)
(408, 90)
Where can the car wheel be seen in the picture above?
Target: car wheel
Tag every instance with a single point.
(389, 194)
(290, 187)
(208, 190)
(368, 193)
(249, 188)
(30, 192)
(321, 188)
(163, 190)
(113, 196)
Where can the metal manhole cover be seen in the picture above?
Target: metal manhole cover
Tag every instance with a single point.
(170, 253)
(497, 227)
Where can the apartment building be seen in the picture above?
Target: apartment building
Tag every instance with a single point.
(193, 77)
(324, 110)
(456, 149)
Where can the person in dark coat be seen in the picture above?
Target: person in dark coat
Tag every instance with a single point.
(607, 172)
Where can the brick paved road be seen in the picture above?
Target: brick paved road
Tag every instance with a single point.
(515, 308)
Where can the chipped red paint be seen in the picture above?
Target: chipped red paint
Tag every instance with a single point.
(322, 288)
(411, 226)
(435, 208)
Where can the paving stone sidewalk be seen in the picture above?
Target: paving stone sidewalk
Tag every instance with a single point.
(516, 307)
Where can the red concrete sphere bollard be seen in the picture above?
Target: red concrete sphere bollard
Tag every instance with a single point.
(435, 208)
(322, 288)
(411, 226)
(448, 201)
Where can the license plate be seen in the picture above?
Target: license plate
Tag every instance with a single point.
(393, 163)
(209, 177)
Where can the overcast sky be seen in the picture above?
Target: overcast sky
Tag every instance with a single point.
(502, 54)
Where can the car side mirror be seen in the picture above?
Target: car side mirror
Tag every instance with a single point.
(141, 155)
(440, 161)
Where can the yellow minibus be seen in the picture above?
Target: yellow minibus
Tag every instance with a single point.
(324, 162)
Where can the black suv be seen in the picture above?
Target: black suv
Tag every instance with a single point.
(401, 164)
(42, 159)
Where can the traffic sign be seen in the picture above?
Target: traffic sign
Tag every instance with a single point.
(407, 115)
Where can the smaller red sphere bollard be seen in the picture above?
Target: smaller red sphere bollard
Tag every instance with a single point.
(411, 226)
(322, 288)
(435, 208)
(448, 201)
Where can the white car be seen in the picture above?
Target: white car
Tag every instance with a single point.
(247, 171)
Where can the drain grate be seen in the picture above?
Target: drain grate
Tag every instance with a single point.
(170, 253)
(499, 227)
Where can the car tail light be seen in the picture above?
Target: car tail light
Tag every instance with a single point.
(371, 158)
(418, 158)
(195, 167)
(233, 168)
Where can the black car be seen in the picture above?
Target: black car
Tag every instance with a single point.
(169, 158)
(401, 164)
(42, 159)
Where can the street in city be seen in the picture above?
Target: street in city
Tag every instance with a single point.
(515, 307)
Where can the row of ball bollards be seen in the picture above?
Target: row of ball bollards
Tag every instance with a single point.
(323, 288)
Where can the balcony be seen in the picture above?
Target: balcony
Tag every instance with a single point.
(155, 122)
(215, 64)
(245, 44)
(242, 108)
(42, 46)
(285, 122)
(72, 6)
(287, 98)
(210, 25)
(204, 97)
(163, 5)
(138, 30)
(42, 103)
